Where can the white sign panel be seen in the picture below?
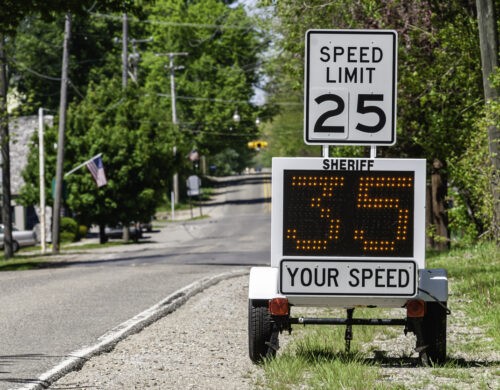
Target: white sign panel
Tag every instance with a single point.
(355, 209)
(350, 87)
(193, 183)
(342, 277)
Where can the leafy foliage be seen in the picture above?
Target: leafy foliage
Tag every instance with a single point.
(12, 12)
(134, 156)
(69, 229)
(474, 173)
(36, 56)
(217, 76)
(133, 128)
(439, 84)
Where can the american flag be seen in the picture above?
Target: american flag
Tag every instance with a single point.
(97, 170)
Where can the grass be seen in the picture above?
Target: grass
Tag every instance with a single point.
(31, 258)
(315, 357)
(475, 273)
(20, 264)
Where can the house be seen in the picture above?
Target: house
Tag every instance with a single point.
(21, 134)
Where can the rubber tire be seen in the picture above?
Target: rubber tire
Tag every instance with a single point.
(434, 333)
(15, 246)
(260, 332)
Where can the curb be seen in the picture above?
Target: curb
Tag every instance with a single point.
(107, 342)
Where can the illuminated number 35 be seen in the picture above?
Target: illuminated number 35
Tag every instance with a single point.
(370, 199)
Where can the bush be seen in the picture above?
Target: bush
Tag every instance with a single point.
(69, 229)
(82, 232)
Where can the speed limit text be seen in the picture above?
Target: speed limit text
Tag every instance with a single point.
(350, 54)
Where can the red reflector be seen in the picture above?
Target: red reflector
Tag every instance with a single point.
(278, 306)
(415, 308)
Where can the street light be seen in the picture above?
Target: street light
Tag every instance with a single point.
(236, 117)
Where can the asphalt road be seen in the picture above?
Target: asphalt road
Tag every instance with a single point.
(48, 313)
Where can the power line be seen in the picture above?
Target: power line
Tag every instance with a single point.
(192, 98)
(29, 70)
(216, 100)
(173, 24)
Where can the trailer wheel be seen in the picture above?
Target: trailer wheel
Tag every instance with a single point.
(434, 333)
(262, 335)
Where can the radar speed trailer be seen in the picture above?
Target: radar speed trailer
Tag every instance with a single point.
(347, 233)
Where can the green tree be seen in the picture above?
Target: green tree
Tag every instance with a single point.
(120, 125)
(11, 14)
(36, 54)
(134, 155)
(218, 74)
(117, 124)
(133, 128)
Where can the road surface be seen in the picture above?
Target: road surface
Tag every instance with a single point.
(48, 313)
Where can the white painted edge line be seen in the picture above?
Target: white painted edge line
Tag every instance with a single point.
(108, 340)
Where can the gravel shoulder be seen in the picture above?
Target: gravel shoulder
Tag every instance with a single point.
(202, 345)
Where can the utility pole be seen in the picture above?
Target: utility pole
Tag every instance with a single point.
(4, 139)
(60, 141)
(134, 58)
(172, 69)
(488, 40)
(124, 51)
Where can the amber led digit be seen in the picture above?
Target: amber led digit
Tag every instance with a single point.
(348, 213)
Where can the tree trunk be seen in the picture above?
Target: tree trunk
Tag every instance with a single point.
(429, 238)
(4, 140)
(439, 215)
(488, 39)
(102, 234)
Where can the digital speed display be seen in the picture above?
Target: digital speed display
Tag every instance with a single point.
(348, 213)
(348, 226)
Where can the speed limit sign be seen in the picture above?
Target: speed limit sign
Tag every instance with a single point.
(350, 87)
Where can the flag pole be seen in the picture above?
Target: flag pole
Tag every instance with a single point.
(82, 164)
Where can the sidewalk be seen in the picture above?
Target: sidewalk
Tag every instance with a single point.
(166, 233)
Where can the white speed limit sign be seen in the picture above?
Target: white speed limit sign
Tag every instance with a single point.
(350, 87)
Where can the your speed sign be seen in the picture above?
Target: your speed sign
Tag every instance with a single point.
(350, 87)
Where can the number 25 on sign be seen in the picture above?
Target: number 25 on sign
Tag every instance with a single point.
(362, 107)
(350, 87)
